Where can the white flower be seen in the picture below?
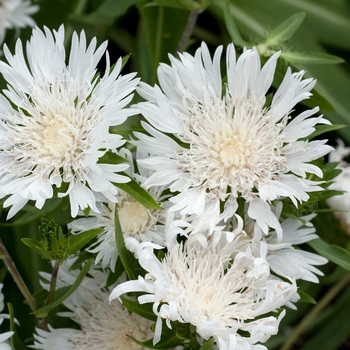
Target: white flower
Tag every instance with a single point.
(228, 143)
(137, 221)
(15, 14)
(103, 326)
(221, 290)
(4, 345)
(55, 122)
(341, 183)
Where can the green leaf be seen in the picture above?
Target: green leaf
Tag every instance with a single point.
(113, 276)
(114, 9)
(43, 311)
(111, 158)
(144, 310)
(321, 129)
(285, 30)
(208, 345)
(310, 58)
(76, 242)
(16, 342)
(332, 252)
(232, 27)
(131, 265)
(306, 298)
(189, 5)
(138, 193)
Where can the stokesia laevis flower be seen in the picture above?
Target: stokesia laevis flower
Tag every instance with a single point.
(220, 293)
(228, 144)
(55, 122)
(15, 14)
(103, 326)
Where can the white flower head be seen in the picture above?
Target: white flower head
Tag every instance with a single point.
(228, 143)
(341, 183)
(103, 326)
(218, 292)
(55, 122)
(16, 14)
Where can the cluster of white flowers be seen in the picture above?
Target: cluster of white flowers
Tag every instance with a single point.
(217, 158)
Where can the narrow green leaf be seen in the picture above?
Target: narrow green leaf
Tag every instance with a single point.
(285, 30)
(232, 28)
(208, 345)
(43, 311)
(334, 253)
(310, 58)
(114, 9)
(306, 298)
(111, 158)
(189, 5)
(76, 242)
(16, 342)
(138, 193)
(113, 276)
(321, 129)
(144, 310)
(131, 265)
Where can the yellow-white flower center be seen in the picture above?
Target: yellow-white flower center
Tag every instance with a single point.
(133, 217)
(235, 153)
(57, 137)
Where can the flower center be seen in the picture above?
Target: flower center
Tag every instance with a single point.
(57, 138)
(235, 153)
(133, 217)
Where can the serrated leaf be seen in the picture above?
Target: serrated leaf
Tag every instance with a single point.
(310, 58)
(232, 27)
(131, 265)
(15, 340)
(144, 310)
(138, 193)
(285, 30)
(321, 129)
(43, 311)
(208, 345)
(332, 252)
(76, 242)
(306, 298)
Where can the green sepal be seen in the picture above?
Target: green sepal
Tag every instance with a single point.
(43, 311)
(332, 252)
(296, 58)
(305, 298)
(285, 30)
(16, 342)
(144, 310)
(232, 27)
(76, 242)
(138, 193)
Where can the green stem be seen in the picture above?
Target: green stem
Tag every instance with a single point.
(53, 281)
(305, 323)
(158, 42)
(20, 283)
